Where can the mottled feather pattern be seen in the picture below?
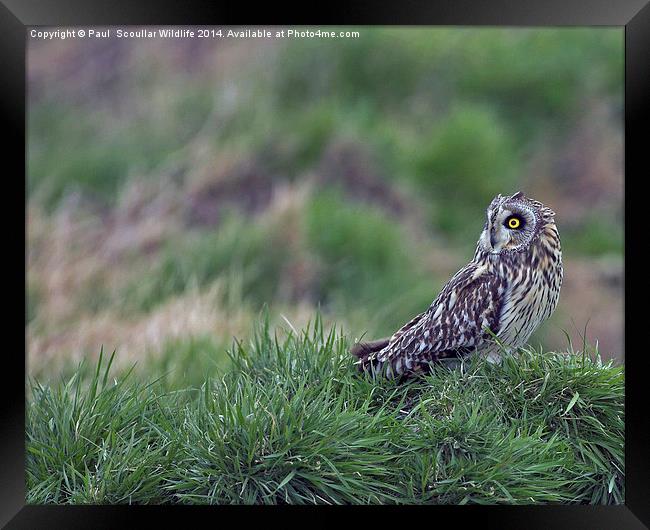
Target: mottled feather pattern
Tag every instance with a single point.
(510, 287)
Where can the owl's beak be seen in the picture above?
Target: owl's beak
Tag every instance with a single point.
(496, 241)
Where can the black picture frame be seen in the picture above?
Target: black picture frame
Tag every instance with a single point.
(633, 15)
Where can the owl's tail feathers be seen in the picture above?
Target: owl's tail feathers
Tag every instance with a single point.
(368, 362)
(363, 350)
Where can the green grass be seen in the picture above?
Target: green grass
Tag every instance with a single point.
(291, 421)
(595, 236)
(365, 260)
(253, 250)
(463, 162)
(86, 147)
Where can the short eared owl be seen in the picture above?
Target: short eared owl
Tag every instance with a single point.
(508, 289)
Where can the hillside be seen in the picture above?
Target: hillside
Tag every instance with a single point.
(293, 422)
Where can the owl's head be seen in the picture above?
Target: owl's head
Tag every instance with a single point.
(512, 223)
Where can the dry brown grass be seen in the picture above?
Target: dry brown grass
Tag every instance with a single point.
(76, 251)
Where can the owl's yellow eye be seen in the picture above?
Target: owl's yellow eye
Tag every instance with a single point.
(513, 222)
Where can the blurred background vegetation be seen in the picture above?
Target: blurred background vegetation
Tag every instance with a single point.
(175, 187)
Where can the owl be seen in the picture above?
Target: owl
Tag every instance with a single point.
(494, 302)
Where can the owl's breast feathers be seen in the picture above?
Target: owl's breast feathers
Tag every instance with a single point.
(456, 323)
(534, 280)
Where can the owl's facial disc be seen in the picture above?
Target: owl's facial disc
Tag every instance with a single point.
(510, 226)
(513, 228)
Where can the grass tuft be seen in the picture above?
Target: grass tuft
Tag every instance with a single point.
(292, 422)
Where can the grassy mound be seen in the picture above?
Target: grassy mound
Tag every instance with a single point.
(292, 422)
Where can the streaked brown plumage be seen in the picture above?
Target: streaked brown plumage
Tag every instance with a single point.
(508, 289)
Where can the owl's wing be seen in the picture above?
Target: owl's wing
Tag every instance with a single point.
(454, 324)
